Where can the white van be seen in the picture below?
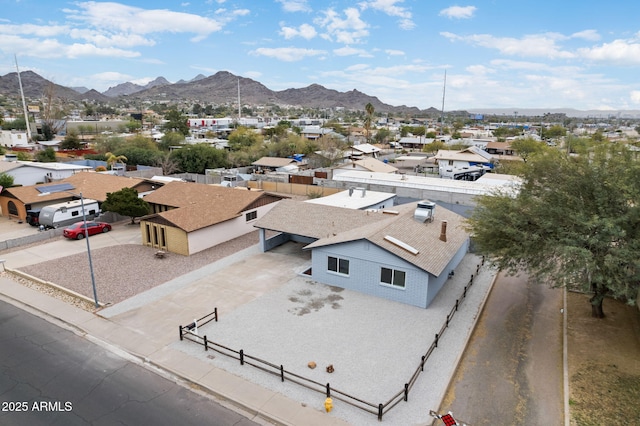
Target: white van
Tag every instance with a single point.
(67, 213)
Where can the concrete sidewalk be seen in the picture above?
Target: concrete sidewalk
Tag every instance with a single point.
(262, 403)
(145, 327)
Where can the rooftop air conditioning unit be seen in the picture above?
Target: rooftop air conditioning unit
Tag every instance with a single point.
(425, 211)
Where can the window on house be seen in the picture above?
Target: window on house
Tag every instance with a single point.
(451, 162)
(337, 265)
(252, 215)
(392, 277)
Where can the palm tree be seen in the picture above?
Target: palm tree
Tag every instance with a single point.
(113, 159)
(368, 120)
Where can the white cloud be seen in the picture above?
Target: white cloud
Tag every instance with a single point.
(128, 19)
(51, 48)
(507, 64)
(350, 51)
(634, 95)
(391, 8)
(394, 52)
(536, 45)
(589, 35)
(479, 70)
(618, 52)
(287, 54)
(34, 30)
(305, 31)
(458, 12)
(253, 74)
(295, 5)
(350, 30)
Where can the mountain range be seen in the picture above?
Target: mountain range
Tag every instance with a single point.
(219, 88)
(222, 88)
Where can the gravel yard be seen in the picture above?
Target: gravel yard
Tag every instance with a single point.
(126, 270)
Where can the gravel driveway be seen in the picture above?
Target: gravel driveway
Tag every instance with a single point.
(126, 270)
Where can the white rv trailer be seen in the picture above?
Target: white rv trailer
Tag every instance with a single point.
(67, 213)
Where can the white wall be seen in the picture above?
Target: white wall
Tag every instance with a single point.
(211, 236)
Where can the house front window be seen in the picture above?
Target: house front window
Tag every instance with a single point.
(392, 277)
(338, 265)
(251, 215)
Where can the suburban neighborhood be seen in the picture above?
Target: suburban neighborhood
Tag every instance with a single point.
(331, 266)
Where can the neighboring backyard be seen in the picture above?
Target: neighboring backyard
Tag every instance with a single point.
(604, 363)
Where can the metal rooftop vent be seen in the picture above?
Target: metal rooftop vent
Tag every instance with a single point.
(425, 211)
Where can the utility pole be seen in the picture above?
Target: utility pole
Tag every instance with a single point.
(24, 103)
(444, 89)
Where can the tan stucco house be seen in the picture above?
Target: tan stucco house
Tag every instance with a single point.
(190, 217)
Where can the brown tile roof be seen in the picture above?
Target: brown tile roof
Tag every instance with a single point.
(94, 186)
(198, 206)
(273, 162)
(335, 225)
(499, 145)
(372, 165)
(300, 218)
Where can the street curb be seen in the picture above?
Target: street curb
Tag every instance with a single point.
(53, 285)
(168, 373)
(565, 361)
(466, 343)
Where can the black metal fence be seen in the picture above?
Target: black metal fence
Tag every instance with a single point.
(186, 332)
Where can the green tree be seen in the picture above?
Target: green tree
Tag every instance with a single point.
(133, 126)
(196, 158)
(525, 147)
(47, 132)
(104, 144)
(71, 141)
(140, 141)
(368, 120)
(47, 155)
(243, 138)
(140, 156)
(17, 124)
(113, 159)
(6, 181)
(171, 139)
(574, 222)
(176, 122)
(126, 202)
(382, 136)
(555, 131)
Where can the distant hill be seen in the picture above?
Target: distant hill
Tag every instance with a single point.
(129, 88)
(34, 86)
(220, 88)
(80, 89)
(196, 78)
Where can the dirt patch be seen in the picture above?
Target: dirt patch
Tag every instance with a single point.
(604, 363)
(316, 299)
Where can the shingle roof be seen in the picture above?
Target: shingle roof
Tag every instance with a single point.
(374, 165)
(92, 185)
(335, 225)
(198, 205)
(464, 155)
(366, 148)
(273, 162)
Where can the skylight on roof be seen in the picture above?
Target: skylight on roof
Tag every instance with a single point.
(402, 245)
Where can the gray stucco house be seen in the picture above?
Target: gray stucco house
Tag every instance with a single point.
(405, 254)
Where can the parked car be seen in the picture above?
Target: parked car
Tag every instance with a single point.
(77, 230)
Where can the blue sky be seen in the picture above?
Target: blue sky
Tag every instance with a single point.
(496, 53)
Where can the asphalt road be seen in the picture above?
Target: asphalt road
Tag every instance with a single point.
(511, 373)
(51, 376)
